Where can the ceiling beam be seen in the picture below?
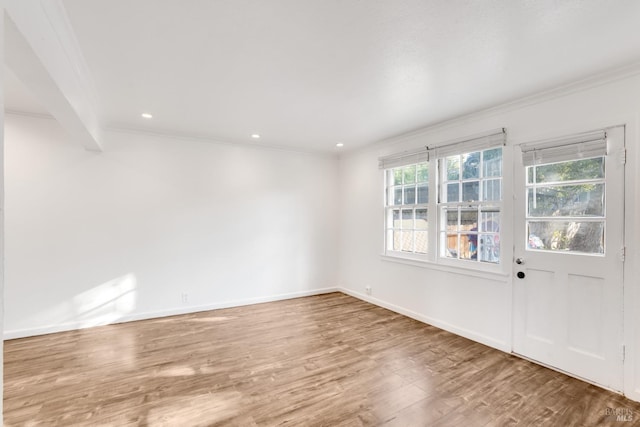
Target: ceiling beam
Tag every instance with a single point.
(42, 51)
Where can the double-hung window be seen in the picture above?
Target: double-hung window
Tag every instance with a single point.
(470, 205)
(407, 203)
(465, 209)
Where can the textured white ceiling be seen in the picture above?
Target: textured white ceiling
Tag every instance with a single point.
(309, 73)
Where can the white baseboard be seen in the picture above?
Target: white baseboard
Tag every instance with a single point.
(71, 326)
(472, 335)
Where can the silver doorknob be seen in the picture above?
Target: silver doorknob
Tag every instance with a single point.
(519, 261)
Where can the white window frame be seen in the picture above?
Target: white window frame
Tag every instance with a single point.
(434, 156)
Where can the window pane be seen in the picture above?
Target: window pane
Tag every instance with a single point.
(451, 242)
(407, 219)
(468, 246)
(423, 193)
(409, 174)
(423, 172)
(453, 192)
(569, 171)
(421, 242)
(396, 218)
(490, 221)
(471, 165)
(409, 195)
(489, 248)
(470, 191)
(452, 219)
(567, 236)
(567, 200)
(397, 238)
(492, 190)
(397, 177)
(397, 195)
(407, 241)
(421, 219)
(469, 219)
(453, 168)
(492, 162)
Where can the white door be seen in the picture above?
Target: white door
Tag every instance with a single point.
(569, 254)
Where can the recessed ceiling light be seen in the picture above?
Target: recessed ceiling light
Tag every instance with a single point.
(255, 136)
(339, 145)
(147, 115)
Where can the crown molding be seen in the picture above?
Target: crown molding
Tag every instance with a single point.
(591, 82)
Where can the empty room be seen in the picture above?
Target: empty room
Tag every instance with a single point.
(320, 213)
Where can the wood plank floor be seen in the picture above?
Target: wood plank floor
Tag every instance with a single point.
(328, 360)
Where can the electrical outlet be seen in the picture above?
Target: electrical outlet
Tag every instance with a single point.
(185, 297)
(368, 290)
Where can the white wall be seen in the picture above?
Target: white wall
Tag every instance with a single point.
(94, 238)
(480, 307)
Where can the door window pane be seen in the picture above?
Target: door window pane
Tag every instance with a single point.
(558, 191)
(566, 236)
(567, 171)
(566, 200)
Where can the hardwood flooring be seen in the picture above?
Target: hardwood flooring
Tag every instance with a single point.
(328, 360)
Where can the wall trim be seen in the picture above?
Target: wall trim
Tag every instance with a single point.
(72, 326)
(466, 333)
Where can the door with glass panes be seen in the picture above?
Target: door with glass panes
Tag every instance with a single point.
(569, 254)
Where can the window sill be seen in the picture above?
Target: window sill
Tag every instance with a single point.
(486, 272)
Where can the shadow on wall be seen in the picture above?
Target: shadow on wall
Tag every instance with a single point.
(105, 303)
